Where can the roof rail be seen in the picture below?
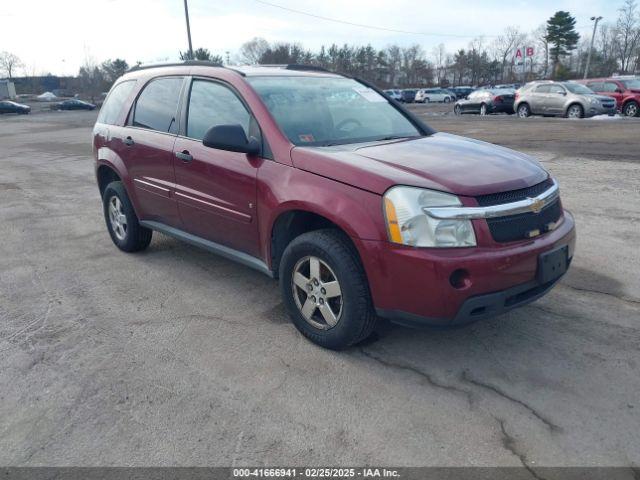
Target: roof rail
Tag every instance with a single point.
(202, 63)
(294, 66)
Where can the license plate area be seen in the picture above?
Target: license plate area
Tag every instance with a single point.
(553, 264)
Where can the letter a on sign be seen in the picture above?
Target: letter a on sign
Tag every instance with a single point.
(519, 54)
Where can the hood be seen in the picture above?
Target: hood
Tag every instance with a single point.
(603, 98)
(440, 161)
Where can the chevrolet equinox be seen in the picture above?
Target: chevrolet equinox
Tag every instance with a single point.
(323, 182)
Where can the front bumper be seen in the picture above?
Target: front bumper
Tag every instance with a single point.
(594, 110)
(412, 286)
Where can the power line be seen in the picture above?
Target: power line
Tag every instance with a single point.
(372, 27)
(384, 29)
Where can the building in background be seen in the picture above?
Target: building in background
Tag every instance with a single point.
(7, 90)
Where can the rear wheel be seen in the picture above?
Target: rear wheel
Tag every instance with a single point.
(483, 109)
(447, 99)
(325, 289)
(631, 109)
(457, 110)
(123, 225)
(524, 111)
(575, 111)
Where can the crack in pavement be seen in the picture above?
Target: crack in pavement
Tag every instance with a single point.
(509, 443)
(602, 292)
(549, 424)
(409, 368)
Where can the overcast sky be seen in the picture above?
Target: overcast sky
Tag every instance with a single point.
(57, 36)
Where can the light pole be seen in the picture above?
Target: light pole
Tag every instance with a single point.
(186, 16)
(593, 37)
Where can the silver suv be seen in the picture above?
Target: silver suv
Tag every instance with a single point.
(568, 99)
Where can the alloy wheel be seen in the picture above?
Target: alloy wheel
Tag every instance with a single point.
(483, 109)
(631, 110)
(574, 112)
(117, 218)
(523, 111)
(317, 292)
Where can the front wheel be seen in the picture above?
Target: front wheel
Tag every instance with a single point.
(457, 110)
(575, 111)
(325, 289)
(483, 109)
(447, 99)
(631, 109)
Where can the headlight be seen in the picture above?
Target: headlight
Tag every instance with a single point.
(594, 101)
(407, 224)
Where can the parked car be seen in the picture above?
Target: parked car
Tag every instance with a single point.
(625, 91)
(486, 101)
(568, 99)
(408, 95)
(395, 94)
(462, 92)
(357, 211)
(7, 106)
(426, 95)
(73, 104)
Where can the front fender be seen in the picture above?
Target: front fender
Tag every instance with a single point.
(283, 188)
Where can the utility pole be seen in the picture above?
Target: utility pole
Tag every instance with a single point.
(593, 37)
(186, 16)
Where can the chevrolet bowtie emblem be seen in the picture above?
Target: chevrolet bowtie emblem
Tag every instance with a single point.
(537, 205)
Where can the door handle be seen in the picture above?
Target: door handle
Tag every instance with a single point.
(128, 141)
(184, 155)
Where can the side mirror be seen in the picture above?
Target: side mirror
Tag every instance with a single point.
(231, 138)
(619, 90)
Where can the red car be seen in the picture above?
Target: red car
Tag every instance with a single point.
(321, 181)
(626, 91)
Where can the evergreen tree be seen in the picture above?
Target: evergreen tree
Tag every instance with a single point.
(561, 36)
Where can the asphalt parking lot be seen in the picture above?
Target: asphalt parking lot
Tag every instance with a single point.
(178, 357)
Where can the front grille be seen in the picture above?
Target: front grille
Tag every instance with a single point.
(517, 227)
(513, 195)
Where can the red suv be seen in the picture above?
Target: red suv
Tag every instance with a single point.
(325, 183)
(626, 91)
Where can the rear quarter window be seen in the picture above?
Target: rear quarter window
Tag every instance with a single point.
(114, 102)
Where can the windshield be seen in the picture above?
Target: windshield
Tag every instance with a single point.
(325, 111)
(578, 89)
(631, 84)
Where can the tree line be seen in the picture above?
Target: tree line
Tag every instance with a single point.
(559, 52)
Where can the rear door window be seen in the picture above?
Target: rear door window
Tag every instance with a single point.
(542, 89)
(114, 103)
(157, 105)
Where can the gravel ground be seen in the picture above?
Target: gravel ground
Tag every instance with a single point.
(178, 357)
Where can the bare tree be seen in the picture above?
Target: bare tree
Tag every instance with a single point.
(440, 56)
(627, 34)
(9, 62)
(252, 51)
(505, 46)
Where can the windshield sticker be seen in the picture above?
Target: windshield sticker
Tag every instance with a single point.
(369, 94)
(306, 137)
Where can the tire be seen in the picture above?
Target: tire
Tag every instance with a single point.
(352, 315)
(457, 110)
(483, 109)
(447, 99)
(524, 110)
(575, 111)
(127, 233)
(631, 109)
